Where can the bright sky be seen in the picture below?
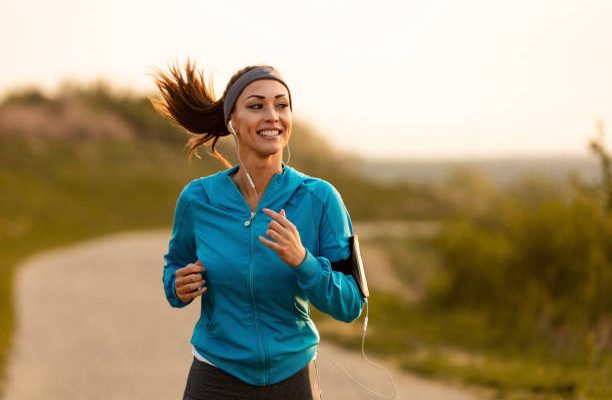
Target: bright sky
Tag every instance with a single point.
(386, 79)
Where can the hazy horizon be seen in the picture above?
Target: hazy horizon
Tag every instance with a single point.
(410, 158)
(415, 80)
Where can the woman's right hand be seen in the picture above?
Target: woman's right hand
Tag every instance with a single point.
(188, 282)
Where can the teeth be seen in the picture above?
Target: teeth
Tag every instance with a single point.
(269, 133)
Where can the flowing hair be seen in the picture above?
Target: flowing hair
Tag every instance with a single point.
(189, 101)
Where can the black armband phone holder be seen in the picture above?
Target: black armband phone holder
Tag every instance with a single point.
(353, 266)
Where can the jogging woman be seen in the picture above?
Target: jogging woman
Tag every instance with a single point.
(254, 242)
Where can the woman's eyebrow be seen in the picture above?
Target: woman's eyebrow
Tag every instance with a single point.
(258, 96)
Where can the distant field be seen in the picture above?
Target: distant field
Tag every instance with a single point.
(500, 170)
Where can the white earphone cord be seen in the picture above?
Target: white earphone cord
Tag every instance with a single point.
(289, 153)
(385, 396)
(233, 132)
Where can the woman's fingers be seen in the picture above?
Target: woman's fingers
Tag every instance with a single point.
(274, 235)
(191, 290)
(189, 282)
(273, 225)
(190, 287)
(285, 238)
(190, 269)
(183, 280)
(274, 246)
(278, 217)
(280, 224)
(192, 295)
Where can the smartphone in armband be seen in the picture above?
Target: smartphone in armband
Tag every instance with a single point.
(353, 266)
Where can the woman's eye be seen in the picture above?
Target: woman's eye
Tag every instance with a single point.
(255, 106)
(283, 105)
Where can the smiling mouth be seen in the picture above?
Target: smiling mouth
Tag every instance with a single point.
(269, 133)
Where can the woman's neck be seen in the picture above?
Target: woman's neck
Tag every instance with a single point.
(261, 171)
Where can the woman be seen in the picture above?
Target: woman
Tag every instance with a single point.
(255, 241)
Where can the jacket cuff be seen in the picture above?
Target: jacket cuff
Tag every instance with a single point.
(174, 300)
(309, 270)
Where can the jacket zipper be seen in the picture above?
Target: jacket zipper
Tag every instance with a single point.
(249, 224)
(255, 316)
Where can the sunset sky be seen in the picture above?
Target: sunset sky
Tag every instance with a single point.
(386, 79)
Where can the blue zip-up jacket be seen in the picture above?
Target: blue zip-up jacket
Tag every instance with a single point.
(254, 321)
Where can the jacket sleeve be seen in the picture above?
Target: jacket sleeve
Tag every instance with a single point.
(181, 249)
(330, 291)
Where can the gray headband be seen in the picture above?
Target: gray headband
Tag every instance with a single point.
(245, 79)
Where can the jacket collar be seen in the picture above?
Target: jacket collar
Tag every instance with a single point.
(223, 192)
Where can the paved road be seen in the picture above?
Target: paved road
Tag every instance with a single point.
(92, 323)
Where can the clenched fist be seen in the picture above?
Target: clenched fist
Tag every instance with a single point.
(189, 282)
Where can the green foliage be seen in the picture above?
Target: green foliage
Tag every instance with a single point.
(538, 261)
(27, 96)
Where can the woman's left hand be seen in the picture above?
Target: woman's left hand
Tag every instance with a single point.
(287, 243)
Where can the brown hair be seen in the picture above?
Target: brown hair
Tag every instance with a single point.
(190, 102)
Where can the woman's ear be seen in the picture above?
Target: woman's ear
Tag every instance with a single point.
(231, 127)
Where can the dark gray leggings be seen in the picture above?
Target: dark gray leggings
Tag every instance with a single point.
(209, 382)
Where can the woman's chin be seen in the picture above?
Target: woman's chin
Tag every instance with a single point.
(270, 149)
(268, 152)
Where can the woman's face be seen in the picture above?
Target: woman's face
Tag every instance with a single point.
(262, 118)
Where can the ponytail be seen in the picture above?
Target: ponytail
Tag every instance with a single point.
(190, 102)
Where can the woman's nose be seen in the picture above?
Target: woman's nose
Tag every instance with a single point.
(271, 114)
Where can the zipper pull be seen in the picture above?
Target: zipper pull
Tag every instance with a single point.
(248, 222)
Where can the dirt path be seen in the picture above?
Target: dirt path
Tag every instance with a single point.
(93, 324)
